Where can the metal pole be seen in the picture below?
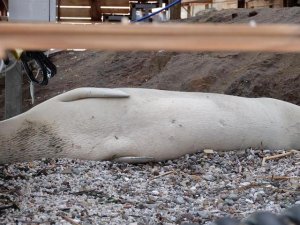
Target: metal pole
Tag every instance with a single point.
(13, 91)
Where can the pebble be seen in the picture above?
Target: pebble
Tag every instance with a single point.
(155, 192)
(249, 201)
(180, 200)
(76, 171)
(233, 197)
(204, 214)
(208, 151)
(259, 196)
(67, 171)
(209, 177)
(188, 223)
(229, 202)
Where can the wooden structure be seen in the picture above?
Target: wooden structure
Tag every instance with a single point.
(189, 5)
(264, 3)
(99, 10)
(3, 10)
(194, 6)
(90, 10)
(96, 10)
(171, 37)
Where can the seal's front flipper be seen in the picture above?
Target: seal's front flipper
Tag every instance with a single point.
(83, 93)
(135, 160)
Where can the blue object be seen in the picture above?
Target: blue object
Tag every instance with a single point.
(153, 14)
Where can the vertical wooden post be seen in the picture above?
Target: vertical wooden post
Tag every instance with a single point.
(13, 91)
(95, 10)
(175, 11)
(58, 9)
(189, 11)
(4, 3)
(241, 4)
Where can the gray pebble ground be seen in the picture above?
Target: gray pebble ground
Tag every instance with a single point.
(196, 188)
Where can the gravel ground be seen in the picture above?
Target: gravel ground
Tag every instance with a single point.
(196, 188)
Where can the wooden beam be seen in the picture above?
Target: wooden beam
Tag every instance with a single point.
(175, 11)
(5, 3)
(75, 2)
(187, 2)
(101, 2)
(74, 12)
(95, 10)
(171, 37)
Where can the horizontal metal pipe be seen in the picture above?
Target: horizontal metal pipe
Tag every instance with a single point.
(147, 37)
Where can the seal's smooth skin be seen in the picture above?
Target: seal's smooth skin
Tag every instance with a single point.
(140, 125)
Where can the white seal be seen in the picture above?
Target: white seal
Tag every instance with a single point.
(140, 125)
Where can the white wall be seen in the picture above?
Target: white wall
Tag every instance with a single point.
(32, 10)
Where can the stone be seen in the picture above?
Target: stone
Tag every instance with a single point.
(208, 151)
(229, 202)
(180, 200)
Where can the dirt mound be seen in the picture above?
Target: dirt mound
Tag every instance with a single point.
(235, 73)
(262, 15)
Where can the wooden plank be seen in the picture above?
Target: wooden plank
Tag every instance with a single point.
(100, 2)
(170, 37)
(114, 2)
(95, 10)
(114, 11)
(75, 12)
(3, 18)
(187, 2)
(75, 2)
(76, 21)
(86, 12)
(5, 3)
(175, 11)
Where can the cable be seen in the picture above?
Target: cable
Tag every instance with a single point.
(153, 14)
(43, 63)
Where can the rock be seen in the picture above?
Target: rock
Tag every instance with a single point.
(233, 197)
(155, 172)
(208, 177)
(204, 214)
(76, 171)
(229, 202)
(244, 184)
(259, 196)
(67, 171)
(249, 201)
(180, 200)
(187, 216)
(155, 192)
(208, 151)
(188, 223)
